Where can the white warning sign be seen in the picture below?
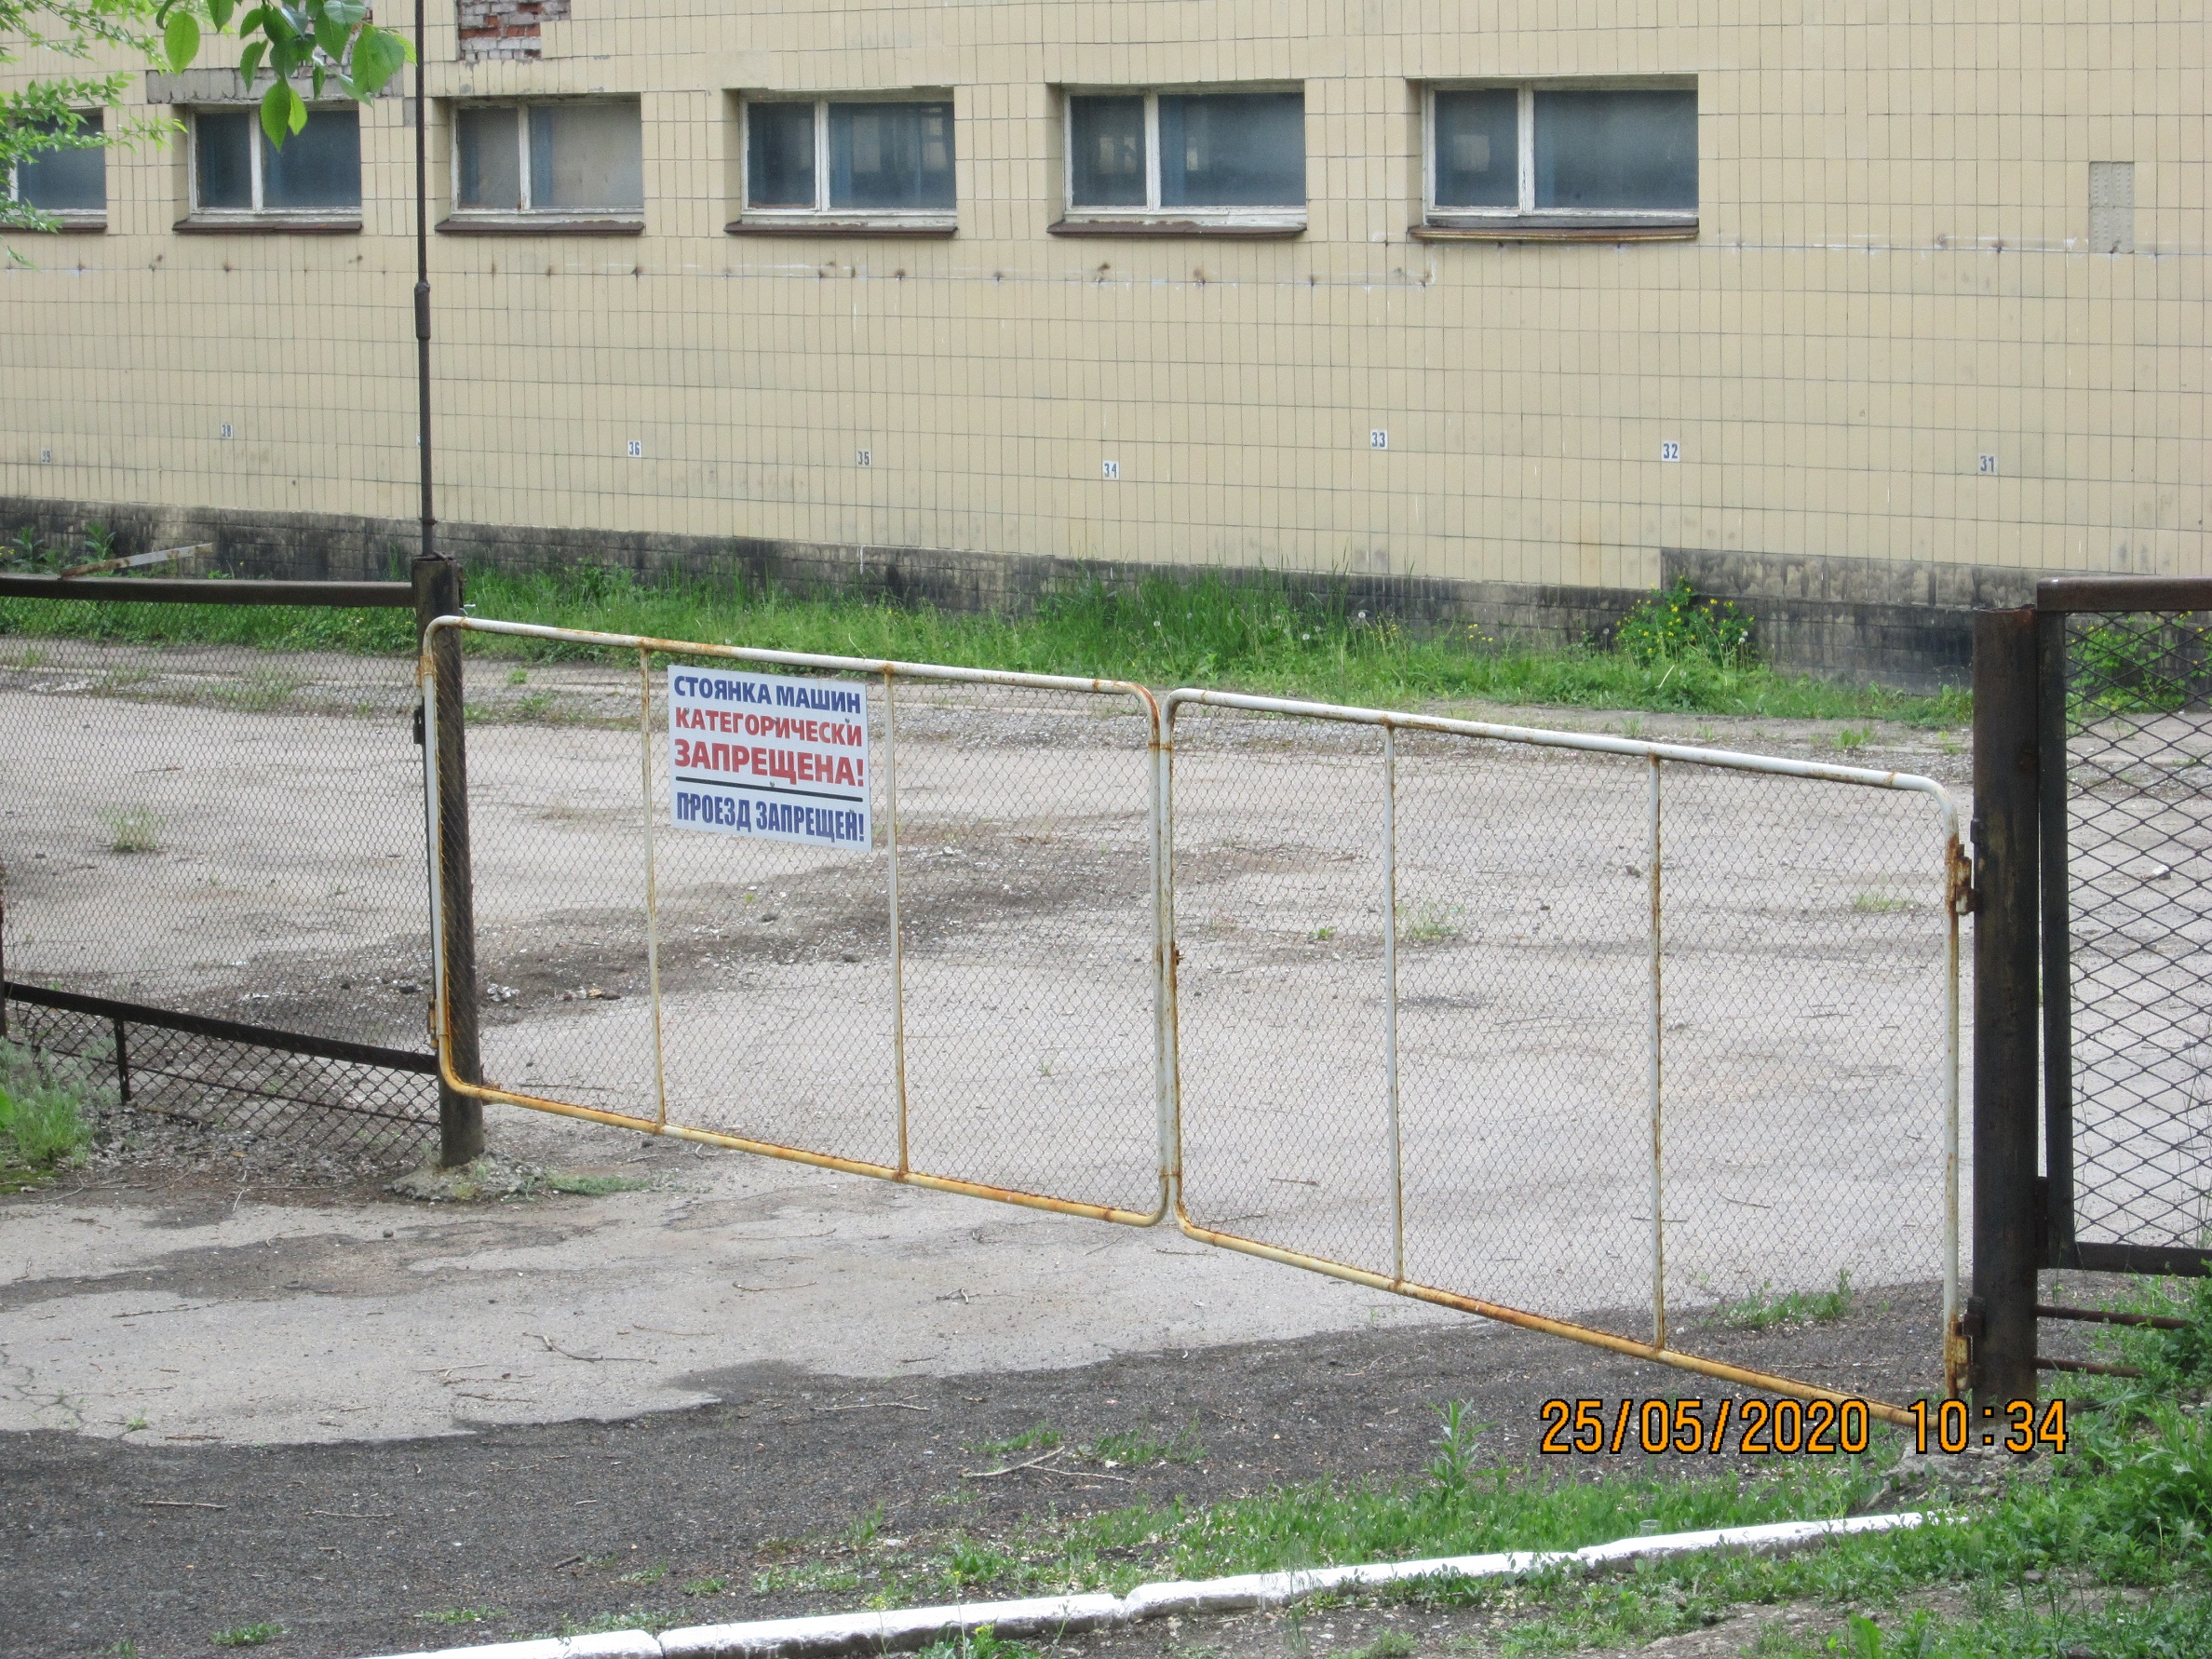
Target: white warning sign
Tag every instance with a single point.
(769, 756)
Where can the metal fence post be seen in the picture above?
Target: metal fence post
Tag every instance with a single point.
(460, 1118)
(2007, 1214)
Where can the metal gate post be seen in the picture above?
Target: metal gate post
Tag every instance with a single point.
(460, 1117)
(2007, 1212)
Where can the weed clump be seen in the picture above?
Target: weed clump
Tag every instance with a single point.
(135, 830)
(46, 1104)
(1676, 626)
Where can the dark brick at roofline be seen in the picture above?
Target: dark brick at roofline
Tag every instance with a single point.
(1901, 623)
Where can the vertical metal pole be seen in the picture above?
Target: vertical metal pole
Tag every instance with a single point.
(1165, 1022)
(460, 1117)
(660, 1078)
(1390, 1053)
(122, 1066)
(1958, 894)
(1654, 1077)
(2058, 942)
(899, 1081)
(2006, 1215)
(422, 287)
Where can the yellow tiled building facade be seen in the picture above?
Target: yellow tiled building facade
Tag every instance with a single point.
(1924, 316)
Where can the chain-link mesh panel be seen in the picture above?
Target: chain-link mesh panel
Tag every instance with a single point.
(304, 1100)
(1023, 996)
(218, 830)
(1805, 1011)
(1805, 1046)
(2138, 826)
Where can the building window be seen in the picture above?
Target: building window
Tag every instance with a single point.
(239, 178)
(1511, 159)
(579, 163)
(67, 183)
(1194, 161)
(861, 163)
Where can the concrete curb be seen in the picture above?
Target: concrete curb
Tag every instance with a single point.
(906, 1628)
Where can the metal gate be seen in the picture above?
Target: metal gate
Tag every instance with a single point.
(998, 994)
(2124, 684)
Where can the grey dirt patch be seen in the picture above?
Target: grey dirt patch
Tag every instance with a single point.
(746, 1507)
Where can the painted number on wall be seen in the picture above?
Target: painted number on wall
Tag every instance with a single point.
(1669, 449)
(1378, 438)
(1988, 463)
(224, 430)
(637, 448)
(863, 458)
(1112, 469)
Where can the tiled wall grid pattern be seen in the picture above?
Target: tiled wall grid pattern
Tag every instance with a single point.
(1893, 278)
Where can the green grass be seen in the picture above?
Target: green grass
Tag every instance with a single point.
(134, 829)
(1162, 632)
(1042, 1438)
(596, 1186)
(1139, 1448)
(1764, 1310)
(246, 1636)
(45, 1104)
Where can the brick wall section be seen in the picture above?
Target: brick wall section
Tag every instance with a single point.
(505, 28)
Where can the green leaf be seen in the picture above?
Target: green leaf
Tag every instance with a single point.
(282, 113)
(219, 12)
(377, 57)
(347, 15)
(180, 39)
(250, 63)
(333, 36)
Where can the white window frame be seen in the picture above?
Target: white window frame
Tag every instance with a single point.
(527, 214)
(70, 218)
(822, 215)
(1152, 212)
(259, 214)
(1525, 212)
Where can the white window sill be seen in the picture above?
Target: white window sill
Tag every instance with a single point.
(1557, 227)
(70, 218)
(843, 225)
(542, 224)
(335, 221)
(1200, 222)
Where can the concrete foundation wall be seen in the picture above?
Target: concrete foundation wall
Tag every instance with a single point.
(1903, 625)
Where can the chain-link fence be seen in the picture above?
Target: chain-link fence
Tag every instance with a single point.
(2128, 856)
(958, 988)
(215, 853)
(1456, 1009)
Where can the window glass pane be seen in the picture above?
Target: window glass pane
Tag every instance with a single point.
(1477, 142)
(223, 158)
(586, 156)
(779, 157)
(1600, 149)
(1106, 152)
(1233, 150)
(319, 166)
(490, 148)
(64, 180)
(891, 157)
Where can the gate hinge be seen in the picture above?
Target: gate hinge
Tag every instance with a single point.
(1965, 897)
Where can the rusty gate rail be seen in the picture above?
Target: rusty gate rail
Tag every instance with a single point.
(888, 674)
(1656, 756)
